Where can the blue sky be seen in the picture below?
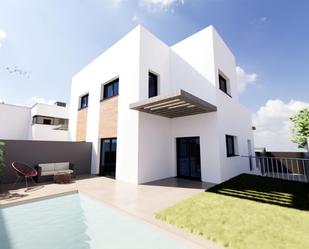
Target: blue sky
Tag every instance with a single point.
(49, 41)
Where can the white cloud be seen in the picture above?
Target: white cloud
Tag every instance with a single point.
(33, 100)
(2, 36)
(154, 5)
(135, 18)
(259, 21)
(263, 19)
(115, 3)
(244, 79)
(157, 5)
(273, 127)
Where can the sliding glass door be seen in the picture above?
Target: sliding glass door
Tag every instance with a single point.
(188, 157)
(108, 157)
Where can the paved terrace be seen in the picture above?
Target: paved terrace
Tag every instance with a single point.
(139, 201)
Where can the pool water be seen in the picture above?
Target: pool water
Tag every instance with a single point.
(79, 222)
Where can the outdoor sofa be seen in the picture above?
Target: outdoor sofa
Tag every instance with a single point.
(46, 171)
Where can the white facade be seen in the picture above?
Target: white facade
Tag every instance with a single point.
(18, 123)
(146, 143)
(15, 122)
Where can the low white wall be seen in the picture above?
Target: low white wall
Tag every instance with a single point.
(48, 133)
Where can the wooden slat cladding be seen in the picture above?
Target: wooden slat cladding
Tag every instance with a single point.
(108, 118)
(81, 129)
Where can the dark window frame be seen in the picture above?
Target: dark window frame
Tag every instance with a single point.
(156, 91)
(108, 169)
(81, 106)
(187, 142)
(114, 84)
(230, 139)
(47, 121)
(224, 84)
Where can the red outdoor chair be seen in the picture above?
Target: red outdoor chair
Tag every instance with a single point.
(23, 171)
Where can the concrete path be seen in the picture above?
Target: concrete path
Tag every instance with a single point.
(139, 201)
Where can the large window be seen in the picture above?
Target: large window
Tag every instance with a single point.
(152, 85)
(84, 101)
(111, 89)
(224, 85)
(231, 145)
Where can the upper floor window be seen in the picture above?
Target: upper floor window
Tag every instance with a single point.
(152, 85)
(84, 101)
(47, 121)
(111, 89)
(38, 119)
(224, 85)
(231, 145)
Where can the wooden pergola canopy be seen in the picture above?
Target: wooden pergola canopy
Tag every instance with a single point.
(178, 104)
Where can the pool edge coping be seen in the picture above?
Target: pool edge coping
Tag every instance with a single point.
(39, 198)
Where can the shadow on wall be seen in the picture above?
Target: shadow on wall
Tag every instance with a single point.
(266, 190)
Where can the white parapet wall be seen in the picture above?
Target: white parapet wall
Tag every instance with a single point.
(50, 111)
(48, 133)
(15, 121)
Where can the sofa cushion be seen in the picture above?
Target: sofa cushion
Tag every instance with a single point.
(66, 171)
(62, 166)
(47, 166)
(48, 173)
(51, 173)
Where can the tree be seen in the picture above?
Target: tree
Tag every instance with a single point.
(300, 128)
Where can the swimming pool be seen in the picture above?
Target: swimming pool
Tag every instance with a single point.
(79, 222)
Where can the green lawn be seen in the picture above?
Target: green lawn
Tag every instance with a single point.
(247, 212)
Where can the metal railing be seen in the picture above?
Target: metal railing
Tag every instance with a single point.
(294, 169)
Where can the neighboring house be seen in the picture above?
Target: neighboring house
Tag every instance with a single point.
(39, 122)
(154, 111)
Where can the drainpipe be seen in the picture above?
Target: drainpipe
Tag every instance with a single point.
(306, 154)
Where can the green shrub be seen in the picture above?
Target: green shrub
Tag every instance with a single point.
(2, 158)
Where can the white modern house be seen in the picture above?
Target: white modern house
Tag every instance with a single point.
(40, 122)
(153, 111)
